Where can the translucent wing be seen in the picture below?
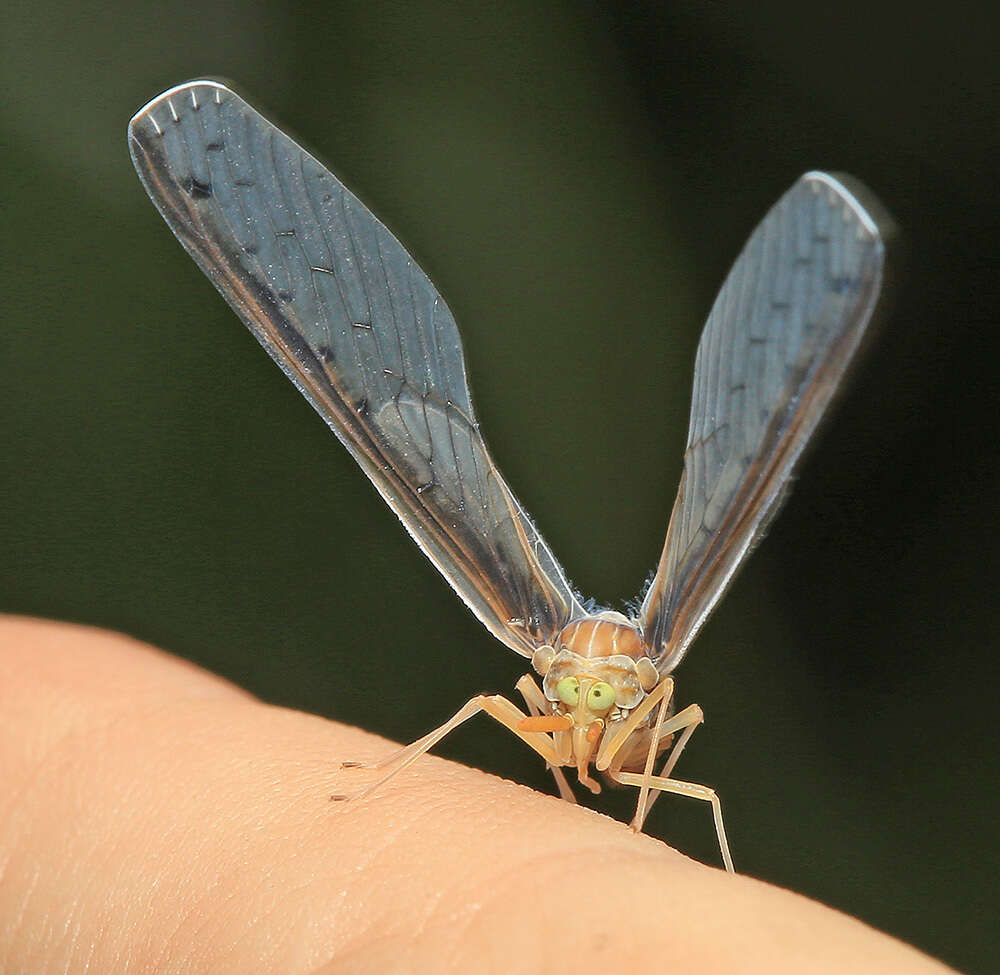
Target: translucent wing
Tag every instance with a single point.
(780, 335)
(363, 334)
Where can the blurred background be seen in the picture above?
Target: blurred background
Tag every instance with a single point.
(577, 179)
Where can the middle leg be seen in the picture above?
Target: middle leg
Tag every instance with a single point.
(675, 786)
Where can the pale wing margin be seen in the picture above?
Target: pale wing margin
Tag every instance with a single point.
(356, 325)
(781, 334)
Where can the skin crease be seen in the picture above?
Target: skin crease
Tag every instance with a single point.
(155, 818)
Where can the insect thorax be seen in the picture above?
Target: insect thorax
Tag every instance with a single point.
(604, 634)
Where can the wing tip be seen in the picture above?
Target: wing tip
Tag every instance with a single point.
(863, 203)
(190, 88)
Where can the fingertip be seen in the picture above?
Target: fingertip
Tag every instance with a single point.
(177, 816)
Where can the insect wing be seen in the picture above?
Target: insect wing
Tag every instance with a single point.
(778, 340)
(356, 325)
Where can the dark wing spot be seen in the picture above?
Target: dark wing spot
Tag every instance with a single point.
(214, 147)
(196, 189)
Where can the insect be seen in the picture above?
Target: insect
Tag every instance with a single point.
(367, 339)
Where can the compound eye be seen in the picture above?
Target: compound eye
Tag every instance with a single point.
(568, 691)
(600, 697)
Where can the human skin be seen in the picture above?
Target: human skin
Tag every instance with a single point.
(155, 818)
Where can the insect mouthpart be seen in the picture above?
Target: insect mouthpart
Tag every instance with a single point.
(584, 741)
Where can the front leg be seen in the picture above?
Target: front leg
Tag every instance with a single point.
(495, 705)
(537, 705)
(614, 741)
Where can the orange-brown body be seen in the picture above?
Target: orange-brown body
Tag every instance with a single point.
(602, 636)
(594, 677)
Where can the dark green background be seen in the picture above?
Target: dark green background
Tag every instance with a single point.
(576, 178)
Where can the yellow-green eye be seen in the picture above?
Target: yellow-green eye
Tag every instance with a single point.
(568, 690)
(600, 697)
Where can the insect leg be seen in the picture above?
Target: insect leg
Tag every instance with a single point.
(495, 705)
(676, 787)
(537, 704)
(688, 720)
(610, 746)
